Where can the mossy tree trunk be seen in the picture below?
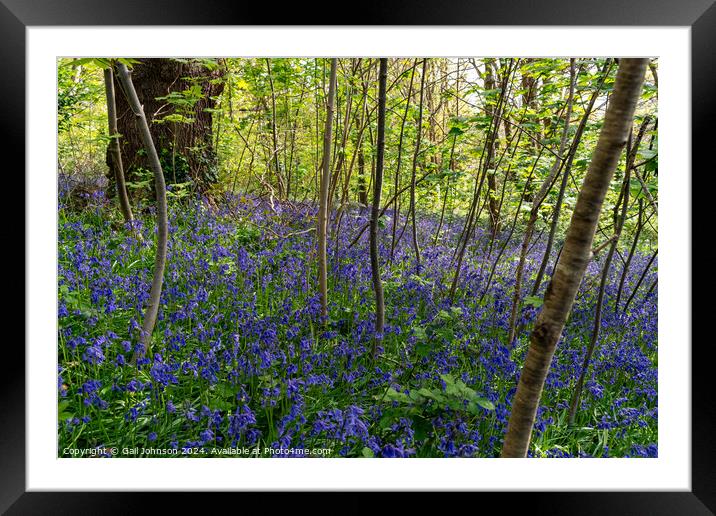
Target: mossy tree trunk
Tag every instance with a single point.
(185, 148)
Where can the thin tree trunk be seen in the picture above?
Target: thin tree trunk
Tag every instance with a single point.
(277, 168)
(540, 197)
(575, 256)
(512, 228)
(577, 393)
(347, 124)
(491, 180)
(362, 192)
(567, 169)
(396, 211)
(323, 201)
(447, 190)
(160, 259)
(361, 119)
(114, 150)
(375, 208)
(416, 244)
(641, 279)
(619, 221)
(640, 222)
(292, 149)
(651, 289)
(482, 172)
(625, 270)
(385, 208)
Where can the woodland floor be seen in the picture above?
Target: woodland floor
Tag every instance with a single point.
(241, 358)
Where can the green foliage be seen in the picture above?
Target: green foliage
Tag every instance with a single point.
(453, 132)
(99, 62)
(421, 404)
(175, 167)
(247, 236)
(81, 120)
(533, 301)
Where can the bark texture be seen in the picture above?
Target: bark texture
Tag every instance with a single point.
(575, 256)
(114, 154)
(185, 149)
(375, 209)
(418, 137)
(323, 196)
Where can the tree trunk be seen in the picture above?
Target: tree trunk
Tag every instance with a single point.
(323, 199)
(150, 316)
(361, 119)
(577, 393)
(473, 213)
(274, 134)
(618, 227)
(362, 192)
(491, 181)
(514, 224)
(187, 146)
(416, 244)
(114, 153)
(544, 190)
(396, 182)
(566, 172)
(447, 189)
(375, 209)
(641, 279)
(640, 224)
(575, 256)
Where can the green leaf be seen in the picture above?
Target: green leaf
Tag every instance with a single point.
(456, 131)
(420, 333)
(416, 396)
(446, 333)
(484, 403)
(422, 428)
(423, 391)
(647, 153)
(82, 61)
(393, 395)
(222, 405)
(62, 413)
(423, 348)
(473, 409)
(534, 301)
(390, 415)
(367, 452)
(225, 391)
(448, 379)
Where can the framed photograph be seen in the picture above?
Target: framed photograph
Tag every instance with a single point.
(429, 236)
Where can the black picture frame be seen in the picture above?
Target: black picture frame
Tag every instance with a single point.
(700, 15)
